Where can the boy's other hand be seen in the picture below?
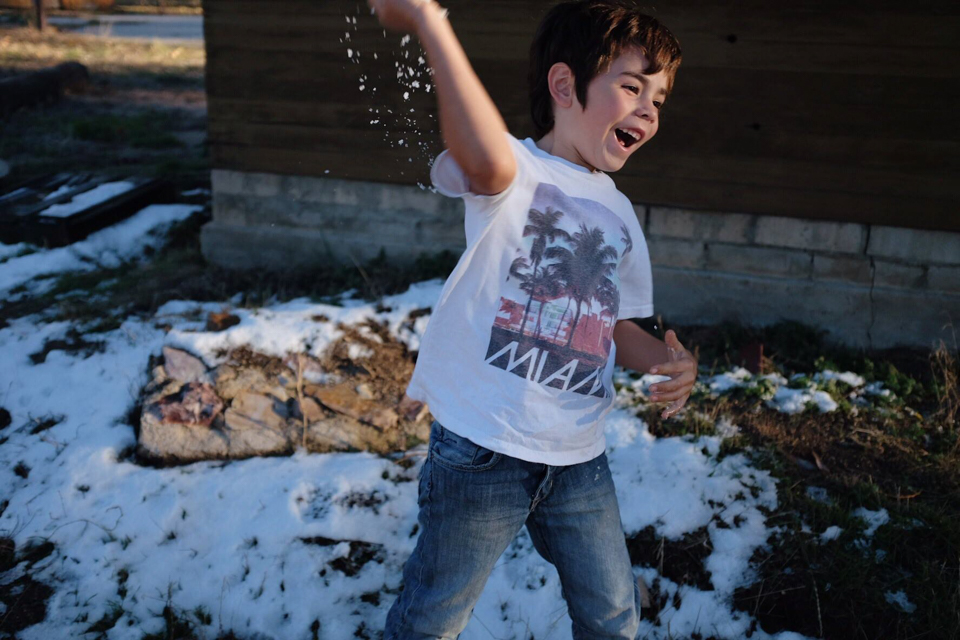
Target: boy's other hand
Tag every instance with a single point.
(401, 15)
(683, 374)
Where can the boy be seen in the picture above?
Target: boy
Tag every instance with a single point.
(517, 361)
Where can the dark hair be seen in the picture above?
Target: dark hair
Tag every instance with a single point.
(588, 35)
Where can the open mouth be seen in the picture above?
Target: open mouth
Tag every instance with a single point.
(627, 138)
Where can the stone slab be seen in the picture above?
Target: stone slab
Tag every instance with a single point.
(915, 245)
(842, 268)
(814, 235)
(745, 259)
(280, 248)
(700, 225)
(676, 252)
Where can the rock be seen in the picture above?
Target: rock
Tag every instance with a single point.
(256, 424)
(196, 403)
(342, 433)
(232, 381)
(364, 391)
(221, 321)
(176, 427)
(313, 371)
(314, 412)
(344, 399)
(183, 366)
(4, 418)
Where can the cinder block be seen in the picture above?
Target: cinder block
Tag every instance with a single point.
(698, 225)
(814, 235)
(263, 185)
(675, 252)
(731, 258)
(899, 276)
(230, 208)
(226, 181)
(842, 268)
(700, 297)
(280, 248)
(641, 211)
(389, 197)
(945, 279)
(915, 245)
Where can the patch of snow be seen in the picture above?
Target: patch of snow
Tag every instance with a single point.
(81, 201)
(819, 494)
(10, 250)
(876, 389)
(848, 377)
(899, 599)
(728, 380)
(789, 400)
(108, 247)
(874, 519)
(831, 533)
(725, 428)
(62, 189)
(359, 351)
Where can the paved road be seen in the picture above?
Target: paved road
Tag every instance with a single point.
(179, 28)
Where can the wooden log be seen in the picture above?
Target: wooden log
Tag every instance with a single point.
(46, 85)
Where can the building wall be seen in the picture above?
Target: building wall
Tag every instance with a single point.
(805, 167)
(867, 285)
(816, 110)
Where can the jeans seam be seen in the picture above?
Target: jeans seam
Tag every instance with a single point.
(428, 502)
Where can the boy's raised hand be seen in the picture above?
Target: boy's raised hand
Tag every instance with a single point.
(400, 15)
(683, 373)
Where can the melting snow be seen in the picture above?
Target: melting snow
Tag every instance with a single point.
(874, 519)
(81, 201)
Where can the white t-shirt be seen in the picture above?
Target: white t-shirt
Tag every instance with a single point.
(519, 354)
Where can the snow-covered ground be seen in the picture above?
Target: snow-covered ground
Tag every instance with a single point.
(234, 539)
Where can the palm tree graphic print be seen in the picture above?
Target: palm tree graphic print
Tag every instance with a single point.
(561, 297)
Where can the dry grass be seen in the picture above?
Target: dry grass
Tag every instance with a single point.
(25, 49)
(946, 372)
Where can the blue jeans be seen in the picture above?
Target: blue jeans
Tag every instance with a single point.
(473, 502)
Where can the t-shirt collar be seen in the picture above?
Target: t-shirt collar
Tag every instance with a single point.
(534, 149)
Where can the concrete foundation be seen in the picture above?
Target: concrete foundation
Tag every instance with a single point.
(868, 285)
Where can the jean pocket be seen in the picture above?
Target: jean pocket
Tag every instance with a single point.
(462, 454)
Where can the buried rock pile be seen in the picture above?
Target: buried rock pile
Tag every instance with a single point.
(258, 405)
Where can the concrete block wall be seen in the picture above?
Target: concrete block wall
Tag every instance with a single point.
(867, 285)
(263, 220)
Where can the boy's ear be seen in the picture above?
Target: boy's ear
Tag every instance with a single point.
(560, 80)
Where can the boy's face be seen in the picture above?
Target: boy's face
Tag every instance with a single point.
(619, 102)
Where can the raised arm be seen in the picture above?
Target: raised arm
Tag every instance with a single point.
(470, 124)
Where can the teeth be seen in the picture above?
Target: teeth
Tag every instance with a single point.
(631, 134)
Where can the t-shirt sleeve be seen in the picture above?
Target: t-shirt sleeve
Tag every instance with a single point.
(636, 278)
(450, 180)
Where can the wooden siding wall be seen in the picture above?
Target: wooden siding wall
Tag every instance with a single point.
(844, 111)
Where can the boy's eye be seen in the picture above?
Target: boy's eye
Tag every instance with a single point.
(658, 105)
(632, 88)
